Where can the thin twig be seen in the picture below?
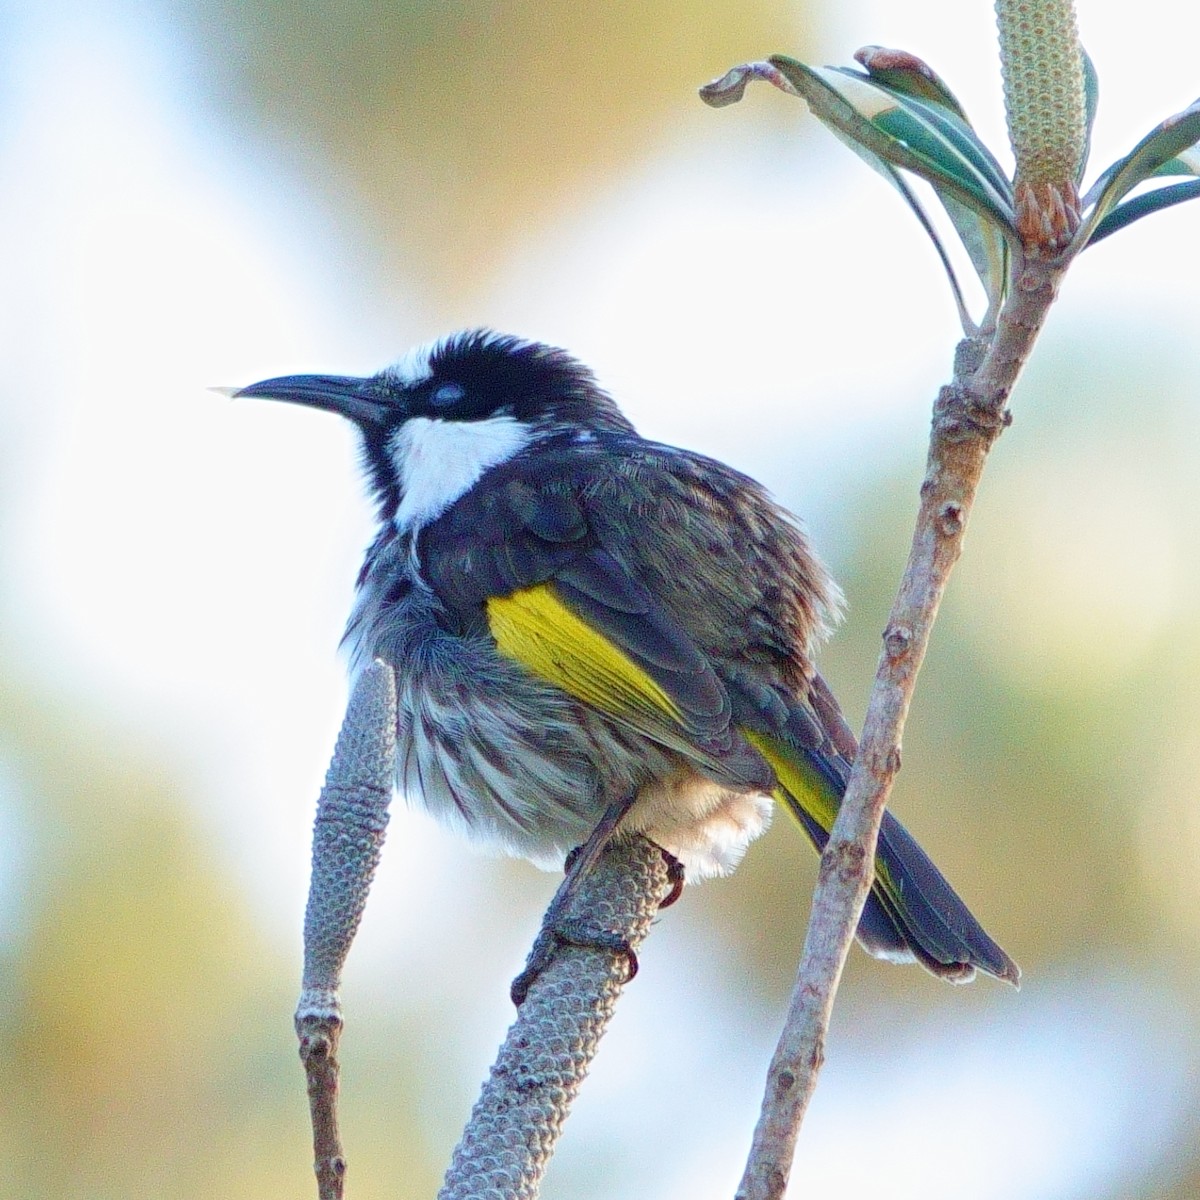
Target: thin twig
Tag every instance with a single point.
(967, 418)
(318, 1053)
(516, 1122)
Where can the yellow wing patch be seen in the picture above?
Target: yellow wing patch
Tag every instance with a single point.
(535, 628)
(802, 782)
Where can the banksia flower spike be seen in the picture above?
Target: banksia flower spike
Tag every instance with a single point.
(1045, 98)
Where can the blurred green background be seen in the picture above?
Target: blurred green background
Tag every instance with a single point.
(201, 192)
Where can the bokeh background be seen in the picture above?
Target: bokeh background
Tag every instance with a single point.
(199, 192)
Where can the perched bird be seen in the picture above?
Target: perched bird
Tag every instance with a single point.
(593, 631)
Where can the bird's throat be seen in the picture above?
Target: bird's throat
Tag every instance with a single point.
(439, 461)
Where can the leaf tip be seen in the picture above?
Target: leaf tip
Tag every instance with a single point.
(909, 74)
(731, 87)
(883, 58)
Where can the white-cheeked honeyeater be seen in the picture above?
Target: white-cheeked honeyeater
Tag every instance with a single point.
(583, 622)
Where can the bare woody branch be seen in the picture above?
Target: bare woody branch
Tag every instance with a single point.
(968, 416)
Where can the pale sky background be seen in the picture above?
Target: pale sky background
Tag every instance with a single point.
(190, 560)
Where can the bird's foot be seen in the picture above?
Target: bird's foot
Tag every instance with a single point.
(559, 925)
(569, 931)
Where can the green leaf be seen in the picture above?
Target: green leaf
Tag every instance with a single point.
(930, 139)
(1091, 100)
(945, 137)
(898, 129)
(898, 117)
(906, 74)
(1143, 206)
(1187, 163)
(730, 88)
(1164, 146)
(898, 182)
(987, 248)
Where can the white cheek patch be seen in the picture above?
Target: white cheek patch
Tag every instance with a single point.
(439, 461)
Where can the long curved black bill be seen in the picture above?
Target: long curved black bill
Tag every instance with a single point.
(348, 395)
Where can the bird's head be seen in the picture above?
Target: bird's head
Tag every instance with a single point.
(434, 422)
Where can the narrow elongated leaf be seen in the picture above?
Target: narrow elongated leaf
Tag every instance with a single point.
(904, 73)
(987, 248)
(985, 243)
(898, 182)
(1169, 141)
(897, 129)
(1091, 101)
(931, 139)
(1187, 163)
(1143, 206)
(900, 116)
(932, 129)
(731, 87)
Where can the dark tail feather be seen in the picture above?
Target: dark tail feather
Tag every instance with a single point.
(919, 916)
(912, 912)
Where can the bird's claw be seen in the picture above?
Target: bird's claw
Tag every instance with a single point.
(569, 931)
(676, 877)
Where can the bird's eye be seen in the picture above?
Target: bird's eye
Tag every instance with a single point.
(446, 395)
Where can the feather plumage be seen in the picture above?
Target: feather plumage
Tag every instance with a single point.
(579, 616)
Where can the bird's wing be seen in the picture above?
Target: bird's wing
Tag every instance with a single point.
(668, 592)
(522, 560)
